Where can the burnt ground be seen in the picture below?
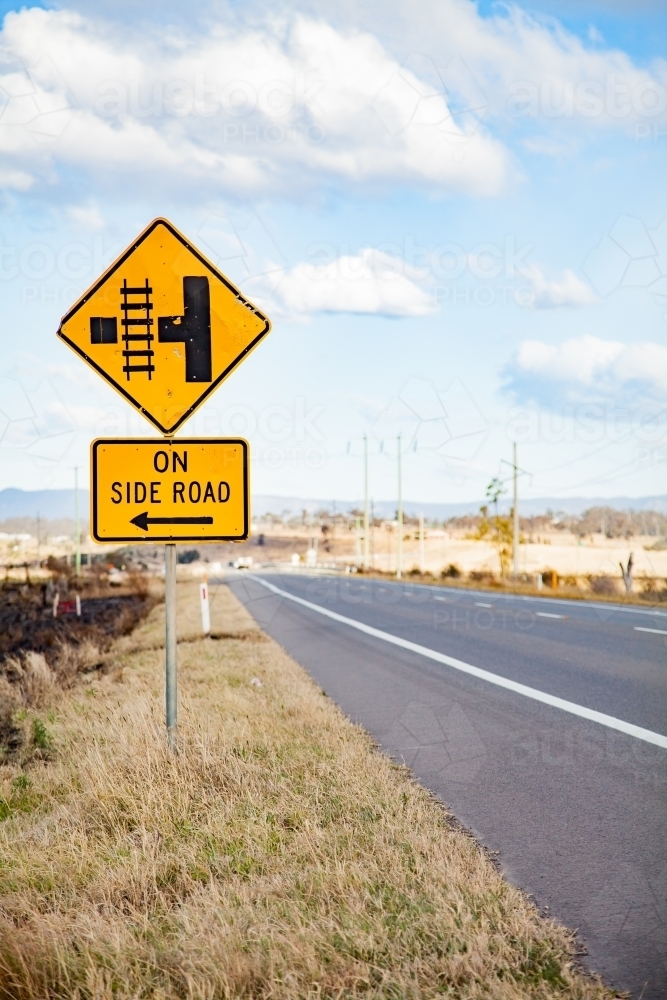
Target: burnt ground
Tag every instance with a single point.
(27, 622)
(40, 653)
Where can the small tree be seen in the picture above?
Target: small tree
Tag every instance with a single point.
(627, 574)
(496, 529)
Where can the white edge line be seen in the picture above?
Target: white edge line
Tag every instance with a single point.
(658, 631)
(467, 668)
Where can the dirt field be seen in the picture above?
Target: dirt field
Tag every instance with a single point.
(560, 551)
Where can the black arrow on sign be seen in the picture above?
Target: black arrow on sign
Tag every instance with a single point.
(143, 520)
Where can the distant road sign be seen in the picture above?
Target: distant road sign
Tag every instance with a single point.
(163, 326)
(178, 490)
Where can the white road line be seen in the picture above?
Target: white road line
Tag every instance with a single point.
(658, 631)
(550, 600)
(545, 614)
(439, 598)
(478, 604)
(485, 675)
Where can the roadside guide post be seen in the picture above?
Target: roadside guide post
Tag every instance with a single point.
(77, 526)
(205, 609)
(165, 328)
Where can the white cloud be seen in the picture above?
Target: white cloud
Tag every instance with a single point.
(88, 216)
(544, 293)
(587, 367)
(16, 180)
(582, 360)
(289, 100)
(370, 282)
(243, 110)
(531, 68)
(542, 145)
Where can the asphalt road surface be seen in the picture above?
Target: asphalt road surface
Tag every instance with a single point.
(576, 810)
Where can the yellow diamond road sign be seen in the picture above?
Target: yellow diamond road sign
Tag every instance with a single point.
(163, 326)
(175, 490)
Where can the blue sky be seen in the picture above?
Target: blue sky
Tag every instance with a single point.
(454, 214)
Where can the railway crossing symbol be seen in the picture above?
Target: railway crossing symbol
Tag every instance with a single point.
(163, 326)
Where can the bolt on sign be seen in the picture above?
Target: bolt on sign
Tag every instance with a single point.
(163, 326)
(169, 490)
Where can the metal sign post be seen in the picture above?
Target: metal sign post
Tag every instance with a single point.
(171, 677)
(164, 327)
(169, 490)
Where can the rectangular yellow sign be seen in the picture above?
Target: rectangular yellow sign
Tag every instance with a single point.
(176, 490)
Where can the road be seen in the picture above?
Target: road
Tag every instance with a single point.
(576, 810)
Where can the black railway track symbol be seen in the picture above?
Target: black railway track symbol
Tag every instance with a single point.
(136, 307)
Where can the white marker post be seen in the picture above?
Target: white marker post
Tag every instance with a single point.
(205, 609)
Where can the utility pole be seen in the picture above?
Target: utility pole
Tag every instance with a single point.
(399, 516)
(366, 538)
(77, 526)
(421, 544)
(515, 526)
(373, 533)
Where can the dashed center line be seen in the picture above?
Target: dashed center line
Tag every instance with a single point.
(545, 614)
(658, 739)
(478, 604)
(439, 598)
(658, 631)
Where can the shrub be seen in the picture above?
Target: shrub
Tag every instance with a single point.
(603, 585)
(453, 571)
(41, 737)
(189, 556)
(481, 576)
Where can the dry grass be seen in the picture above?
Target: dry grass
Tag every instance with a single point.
(278, 855)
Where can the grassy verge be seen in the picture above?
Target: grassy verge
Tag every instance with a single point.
(278, 855)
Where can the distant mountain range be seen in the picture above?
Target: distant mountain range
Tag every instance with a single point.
(441, 511)
(50, 505)
(53, 504)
